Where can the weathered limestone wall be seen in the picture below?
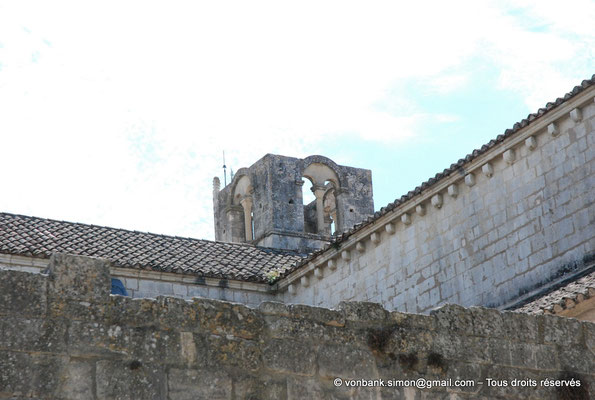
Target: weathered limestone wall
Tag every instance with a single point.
(515, 218)
(64, 337)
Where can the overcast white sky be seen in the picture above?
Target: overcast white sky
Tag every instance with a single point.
(117, 112)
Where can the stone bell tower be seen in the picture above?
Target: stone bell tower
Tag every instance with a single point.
(263, 204)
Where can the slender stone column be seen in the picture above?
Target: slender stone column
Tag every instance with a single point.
(246, 203)
(319, 192)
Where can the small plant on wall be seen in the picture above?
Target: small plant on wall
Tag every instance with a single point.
(273, 276)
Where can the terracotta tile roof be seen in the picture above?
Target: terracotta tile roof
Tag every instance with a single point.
(563, 298)
(458, 166)
(39, 237)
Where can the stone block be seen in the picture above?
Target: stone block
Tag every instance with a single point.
(199, 384)
(274, 308)
(589, 331)
(76, 380)
(289, 328)
(576, 115)
(299, 388)
(572, 358)
(129, 380)
(32, 334)
(221, 318)
(30, 375)
(293, 357)
(318, 314)
(509, 156)
(223, 352)
(360, 247)
(413, 321)
(453, 190)
(375, 237)
(22, 293)
(183, 349)
(470, 180)
(318, 273)
(561, 331)
(78, 287)
(259, 387)
(531, 143)
(332, 264)
(488, 170)
(420, 209)
(553, 129)
(390, 228)
(79, 279)
(437, 200)
(363, 311)
(305, 281)
(345, 362)
(487, 322)
(453, 318)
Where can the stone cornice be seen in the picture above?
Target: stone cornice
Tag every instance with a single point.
(544, 125)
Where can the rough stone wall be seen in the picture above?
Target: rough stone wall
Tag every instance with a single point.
(277, 202)
(64, 337)
(511, 224)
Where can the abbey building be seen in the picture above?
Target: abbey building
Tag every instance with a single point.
(510, 226)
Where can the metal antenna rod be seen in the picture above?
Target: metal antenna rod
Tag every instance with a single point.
(224, 170)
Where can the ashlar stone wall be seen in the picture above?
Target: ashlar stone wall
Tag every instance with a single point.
(64, 337)
(512, 220)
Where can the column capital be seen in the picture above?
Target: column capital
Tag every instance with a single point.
(246, 201)
(319, 190)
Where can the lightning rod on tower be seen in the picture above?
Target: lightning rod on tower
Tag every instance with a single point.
(224, 170)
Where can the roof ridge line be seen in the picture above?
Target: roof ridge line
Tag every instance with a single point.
(248, 245)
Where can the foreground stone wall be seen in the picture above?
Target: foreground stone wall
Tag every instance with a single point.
(62, 336)
(506, 223)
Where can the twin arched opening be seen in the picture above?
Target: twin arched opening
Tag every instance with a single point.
(320, 210)
(242, 196)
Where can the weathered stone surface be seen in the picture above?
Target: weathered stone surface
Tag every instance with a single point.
(199, 384)
(271, 191)
(363, 311)
(233, 352)
(78, 287)
(290, 356)
(77, 380)
(79, 279)
(130, 380)
(345, 362)
(29, 374)
(318, 314)
(22, 292)
(227, 318)
(32, 334)
(262, 387)
(171, 349)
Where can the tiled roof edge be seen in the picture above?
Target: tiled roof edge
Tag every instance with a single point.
(280, 251)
